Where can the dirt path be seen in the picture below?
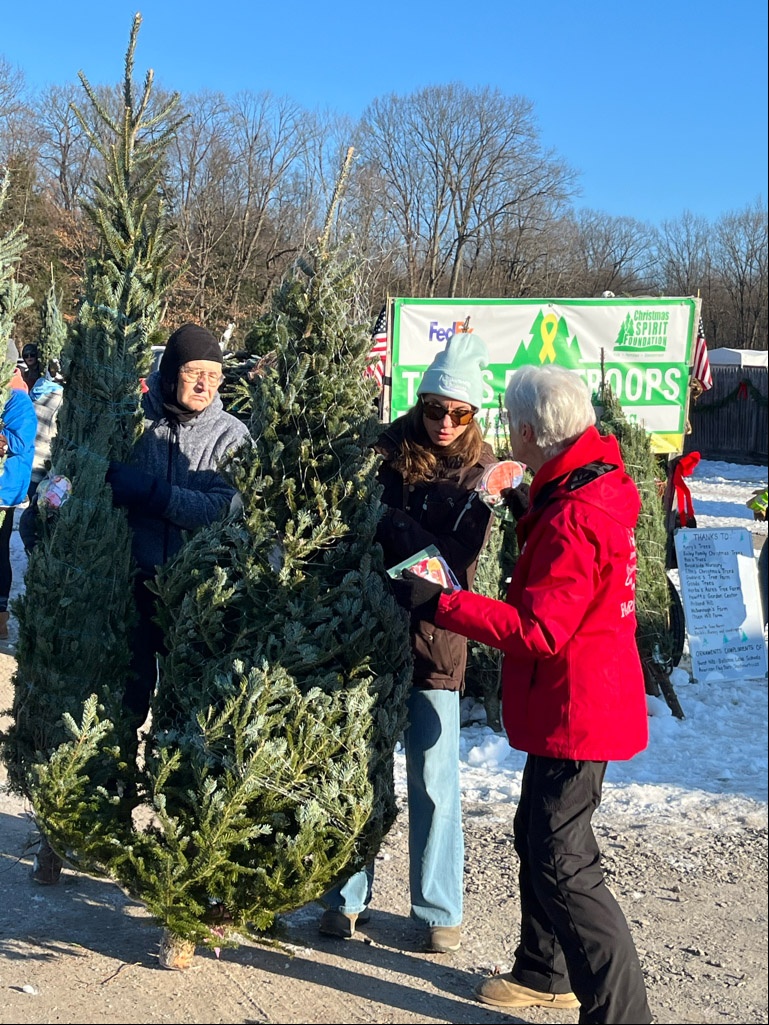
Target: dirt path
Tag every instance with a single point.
(83, 952)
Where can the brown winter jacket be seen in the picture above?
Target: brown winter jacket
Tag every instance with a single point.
(449, 514)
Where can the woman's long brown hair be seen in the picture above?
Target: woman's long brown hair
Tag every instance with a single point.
(418, 460)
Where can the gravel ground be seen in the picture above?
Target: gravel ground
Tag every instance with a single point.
(83, 952)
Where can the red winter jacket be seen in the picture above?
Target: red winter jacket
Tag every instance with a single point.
(572, 684)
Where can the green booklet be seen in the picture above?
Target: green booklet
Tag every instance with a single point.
(430, 564)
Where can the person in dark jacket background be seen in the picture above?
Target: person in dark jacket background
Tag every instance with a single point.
(46, 396)
(172, 483)
(31, 370)
(433, 458)
(573, 696)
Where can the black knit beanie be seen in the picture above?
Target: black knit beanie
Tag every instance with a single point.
(187, 343)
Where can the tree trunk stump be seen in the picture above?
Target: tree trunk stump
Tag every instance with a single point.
(175, 952)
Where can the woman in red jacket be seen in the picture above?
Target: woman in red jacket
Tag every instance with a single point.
(572, 696)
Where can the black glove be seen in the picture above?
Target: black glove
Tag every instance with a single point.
(516, 500)
(135, 489)
(417, 595)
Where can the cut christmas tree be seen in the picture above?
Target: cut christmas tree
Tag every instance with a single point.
(483, 677)
(270, 759)
(268, 768)
(76, 612)
(53, 329)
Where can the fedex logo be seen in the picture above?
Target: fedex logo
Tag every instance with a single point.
(442, 334)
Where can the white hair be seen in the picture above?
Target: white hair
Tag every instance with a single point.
(554, 401)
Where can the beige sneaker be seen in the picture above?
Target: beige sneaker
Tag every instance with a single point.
(504, 991)
(443, 939)
(341, 925)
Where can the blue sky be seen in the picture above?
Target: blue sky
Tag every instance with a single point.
(661, 107)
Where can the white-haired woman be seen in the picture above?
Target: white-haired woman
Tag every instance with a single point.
(573, 696)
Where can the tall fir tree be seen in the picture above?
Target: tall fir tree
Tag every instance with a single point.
(76, 612)
(268, 769)
(283, 695)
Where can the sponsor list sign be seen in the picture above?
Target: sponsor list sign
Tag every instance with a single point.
(719, 587)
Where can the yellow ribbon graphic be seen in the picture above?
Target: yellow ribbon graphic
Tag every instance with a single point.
(548, 330)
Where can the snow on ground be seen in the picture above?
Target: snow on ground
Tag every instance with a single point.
(708, 769)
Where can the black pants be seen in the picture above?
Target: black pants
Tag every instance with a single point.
(6, 573)
(573, 933)
(29, 521)
(146, 645)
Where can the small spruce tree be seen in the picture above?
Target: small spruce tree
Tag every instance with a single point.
(654, 636)
(483, 677)
(53, 329)
(14, 296)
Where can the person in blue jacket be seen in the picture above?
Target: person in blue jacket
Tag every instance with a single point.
(18, 427)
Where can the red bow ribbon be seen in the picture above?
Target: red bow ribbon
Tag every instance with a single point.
(742, 391)
(685, 468)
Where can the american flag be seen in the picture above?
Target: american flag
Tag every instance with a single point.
(378, 351)
(700, 362)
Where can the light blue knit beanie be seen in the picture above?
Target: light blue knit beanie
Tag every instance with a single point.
(455, 373)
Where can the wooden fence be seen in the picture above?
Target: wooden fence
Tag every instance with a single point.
(730, 421)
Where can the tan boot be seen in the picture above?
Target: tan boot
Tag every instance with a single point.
(504, 991)
(4, 625)
(443, 939)
(341, 924)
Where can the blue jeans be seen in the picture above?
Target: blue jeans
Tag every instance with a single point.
(436, 843)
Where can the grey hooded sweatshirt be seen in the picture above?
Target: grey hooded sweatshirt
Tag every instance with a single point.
(187, 455)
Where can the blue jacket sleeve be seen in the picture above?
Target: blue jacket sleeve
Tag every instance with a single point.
(19, 425)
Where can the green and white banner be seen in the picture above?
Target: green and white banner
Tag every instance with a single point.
(642, 346)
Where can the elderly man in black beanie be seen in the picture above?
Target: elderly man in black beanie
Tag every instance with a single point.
(172, 482)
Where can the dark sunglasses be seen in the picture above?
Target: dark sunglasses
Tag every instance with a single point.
(459, 417)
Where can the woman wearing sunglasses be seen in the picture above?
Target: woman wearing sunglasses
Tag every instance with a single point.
(433, 457)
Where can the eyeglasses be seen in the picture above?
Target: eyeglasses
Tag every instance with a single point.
(459, 417)
(211, 377)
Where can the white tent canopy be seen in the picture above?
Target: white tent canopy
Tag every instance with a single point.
(725, 357)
